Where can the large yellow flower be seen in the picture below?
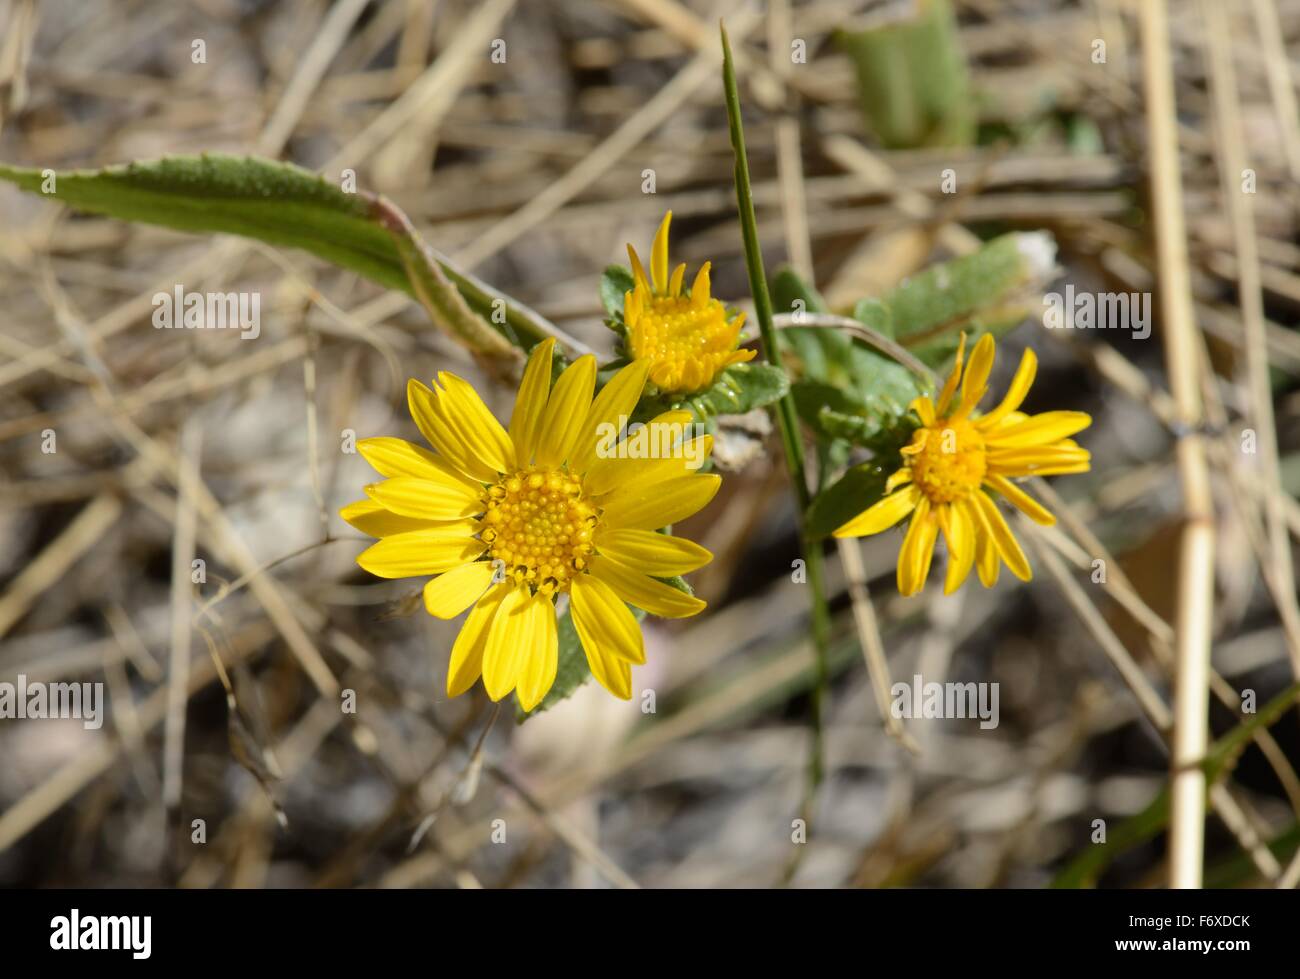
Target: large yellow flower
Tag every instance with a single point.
(687, 340)
(510, 521)
(955, 457)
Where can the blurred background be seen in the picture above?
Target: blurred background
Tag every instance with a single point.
(530, 141)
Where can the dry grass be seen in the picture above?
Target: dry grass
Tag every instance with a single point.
(177, 445)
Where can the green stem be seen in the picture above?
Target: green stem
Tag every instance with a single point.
(789, 422)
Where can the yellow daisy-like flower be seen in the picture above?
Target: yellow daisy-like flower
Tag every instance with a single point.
(510, 520)
(686, 340)
(955, 457)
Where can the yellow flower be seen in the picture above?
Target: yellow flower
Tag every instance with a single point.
(509, 521)
(955, 457)
(686, 340)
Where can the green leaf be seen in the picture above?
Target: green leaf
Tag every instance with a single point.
(616, 282)
(269, 201)
(854, 428)
(738, 389)
(913, 85)
(791, 294)
(278, 203)
(875, 315)
(744, 387)
(990, 290)
(848, 496)
(856, 381)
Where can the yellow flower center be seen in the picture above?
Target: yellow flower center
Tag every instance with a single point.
(539, 525)
(688, 344)
(947, 460)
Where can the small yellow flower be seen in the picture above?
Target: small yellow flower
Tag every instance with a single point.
(955, 456)
(686, 340)
(509, 520)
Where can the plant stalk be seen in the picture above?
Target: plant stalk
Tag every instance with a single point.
(789, 423)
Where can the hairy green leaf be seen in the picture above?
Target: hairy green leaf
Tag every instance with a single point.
(848, 496)
(615, 283)
(273, 202)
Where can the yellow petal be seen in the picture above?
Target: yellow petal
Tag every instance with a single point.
(441, 498)
(950, 385)
(659, 255)
(654, 554)
(449, 594)
(996, 527)
(609, 414)
(420, 552)
(632, 307)
(976, 382)
(429, 418)
(637, 589)
(1042, 429)
(398, 457)
(610, 470)
(566, 412)
(882, 514)
(610, 635)
(900, 477)
(675, 283)
(1021, 500)
(918, 549)
(986, 552)
(611, 473)
(1046, 460)
(509, 643)
(701, 286)
(371, 518)
(467, 653)
(641, 506)
(530, 402)
(924, 409)
(638, 272)
(538, 671)
(479, 430)
(1020, 385)
(958, 527)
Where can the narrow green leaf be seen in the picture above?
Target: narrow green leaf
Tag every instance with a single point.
(269, 201)
(278, 203)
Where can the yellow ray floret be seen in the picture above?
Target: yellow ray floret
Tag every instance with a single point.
(510, 519)
(956, 458)
(686, 340)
